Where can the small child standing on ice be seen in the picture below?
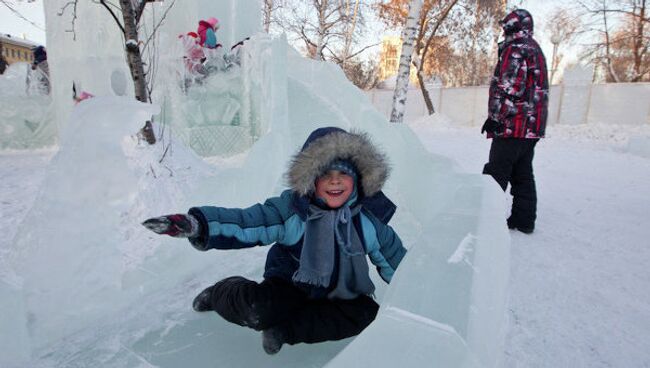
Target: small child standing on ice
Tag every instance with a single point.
(316, 283)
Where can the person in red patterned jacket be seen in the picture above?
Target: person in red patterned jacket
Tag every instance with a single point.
(517, 112)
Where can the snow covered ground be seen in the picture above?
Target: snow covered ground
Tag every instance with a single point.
(578, 284)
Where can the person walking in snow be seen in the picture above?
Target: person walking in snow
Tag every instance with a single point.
(316, 283)
(3, 62)
(207, 32)
(517, 112)
(41, 70)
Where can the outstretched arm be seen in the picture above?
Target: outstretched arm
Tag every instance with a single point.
(234, 228)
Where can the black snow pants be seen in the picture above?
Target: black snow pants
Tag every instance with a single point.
(511, 161)
(279, 304)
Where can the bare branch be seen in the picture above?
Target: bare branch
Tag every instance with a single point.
(140, 10)
(72, 3)
(162, 19)
(103, 2)
(19, 15)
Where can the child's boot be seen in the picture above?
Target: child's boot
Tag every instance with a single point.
(202, 302)
(273, 339)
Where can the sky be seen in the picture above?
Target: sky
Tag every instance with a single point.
(33, 12)
(28, 20)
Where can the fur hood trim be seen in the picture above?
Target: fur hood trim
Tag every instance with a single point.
(311, 162)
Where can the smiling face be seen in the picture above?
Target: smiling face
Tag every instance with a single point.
(335, 188)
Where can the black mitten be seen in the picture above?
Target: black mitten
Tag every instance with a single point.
(492, 126)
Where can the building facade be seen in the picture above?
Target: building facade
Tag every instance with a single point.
(16, 49)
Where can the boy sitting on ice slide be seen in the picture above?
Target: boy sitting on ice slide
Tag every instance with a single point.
(316, 283)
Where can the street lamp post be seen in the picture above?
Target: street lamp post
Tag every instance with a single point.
(555, 40)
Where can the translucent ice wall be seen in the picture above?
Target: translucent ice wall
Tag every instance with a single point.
(25, 111)
(445, 307)
(88, 50)
(215, 112)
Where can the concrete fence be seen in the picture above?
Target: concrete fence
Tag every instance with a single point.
(569, 103)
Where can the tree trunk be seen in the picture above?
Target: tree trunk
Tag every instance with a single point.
(268, 8)
(134, 59)
(401, 85)
(425, 50)
(638, 43)
(349, 33)
(425, 95)
(554, 62)
(423, 88)
(608, 57)
(322, 11)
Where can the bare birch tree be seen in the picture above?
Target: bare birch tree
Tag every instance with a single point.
(314, 23)
(401, 85)
(328, 29)
(351, 14)
(631, 44)
(331, 30)
(269, 8)
(600, 52)
(128, 18)
(435, 16)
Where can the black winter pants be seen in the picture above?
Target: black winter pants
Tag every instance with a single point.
(511, 161)
(279, 304)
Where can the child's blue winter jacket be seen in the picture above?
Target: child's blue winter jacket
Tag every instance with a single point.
(281, 220)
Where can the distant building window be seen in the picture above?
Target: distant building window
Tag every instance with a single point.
(13, 53)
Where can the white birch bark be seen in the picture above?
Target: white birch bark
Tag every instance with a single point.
(322, 28)
(401, 85)
(350, 31)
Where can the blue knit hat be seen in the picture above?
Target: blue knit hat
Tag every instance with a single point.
(344, 166)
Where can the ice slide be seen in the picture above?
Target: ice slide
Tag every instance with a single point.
(79, 303)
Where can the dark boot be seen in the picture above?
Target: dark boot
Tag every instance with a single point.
(273, 339)
(202, 302)
(523, 229)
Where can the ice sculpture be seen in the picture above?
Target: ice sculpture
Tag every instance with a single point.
(97, 290)
(208, 118)
(25, 115)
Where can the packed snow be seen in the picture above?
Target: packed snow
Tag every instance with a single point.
(578, 286)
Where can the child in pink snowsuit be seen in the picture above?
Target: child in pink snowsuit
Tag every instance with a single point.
(207, 33)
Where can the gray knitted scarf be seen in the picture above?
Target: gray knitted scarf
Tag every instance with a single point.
(325, 230)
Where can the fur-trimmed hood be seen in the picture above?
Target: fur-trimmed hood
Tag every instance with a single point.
(323, 146)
